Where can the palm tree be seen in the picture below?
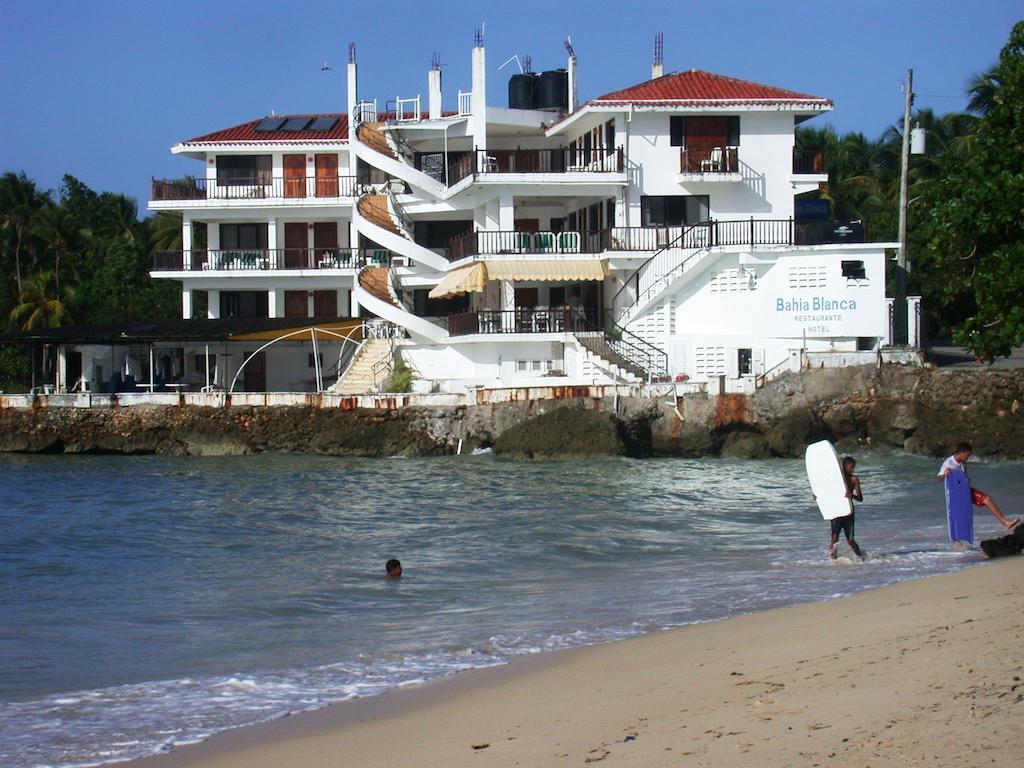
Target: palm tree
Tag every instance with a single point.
(119, 216)
(20, 202)
(39, 305)
(57, 233)
(982, 91)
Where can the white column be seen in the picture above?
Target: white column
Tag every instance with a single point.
(186, 303)
(508, 303)
(212, 304)
(434, 93)
(356, 309)
(310, 305)
(60, 385)
(506, 212)
(351, 103)
(478, 120)
(186, 241)
(272, 239)
(275, 303)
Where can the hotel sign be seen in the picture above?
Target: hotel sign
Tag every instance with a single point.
(821, 315)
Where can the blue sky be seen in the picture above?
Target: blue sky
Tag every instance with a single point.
(101, 90)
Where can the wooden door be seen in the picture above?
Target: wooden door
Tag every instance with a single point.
(296, 245)
(294, 175)
(702, 135)
(296, 304)
(527, 225)
(325, 244)
(254, 376)
(325, 303)
(327, 175)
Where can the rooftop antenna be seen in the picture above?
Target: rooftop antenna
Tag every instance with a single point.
(658, 68)
(435, 60)
(478, 37)
(514, 57)
(568, 47)
(528, 64)
(351, 53)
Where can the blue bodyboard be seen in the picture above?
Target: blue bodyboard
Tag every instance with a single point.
(959, 512)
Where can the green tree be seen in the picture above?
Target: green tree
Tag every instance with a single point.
(974, 227)
(20, 203)
(58, 236)
(40, 305)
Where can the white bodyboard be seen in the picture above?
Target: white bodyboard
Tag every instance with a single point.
(825, 473)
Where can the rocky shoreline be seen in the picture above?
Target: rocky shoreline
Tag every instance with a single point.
(919, 410)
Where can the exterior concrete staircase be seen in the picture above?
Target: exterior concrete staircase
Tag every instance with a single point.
(373, 146)
(368, 369)
(612, 361)
(374, 208)
(374, 280)
(372, 135)
(373, 219)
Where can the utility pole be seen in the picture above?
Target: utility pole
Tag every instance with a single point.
(899, 302)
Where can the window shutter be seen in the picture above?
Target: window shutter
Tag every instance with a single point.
(676, 130)
(732, 362)
(733, 132)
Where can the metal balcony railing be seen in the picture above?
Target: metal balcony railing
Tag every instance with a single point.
(256, 188)
(561, 160)
(520, 320)
(486, 242)
(268, 260)
(808, 161)
(709, 160)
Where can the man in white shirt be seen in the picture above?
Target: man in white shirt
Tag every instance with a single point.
(978, 498)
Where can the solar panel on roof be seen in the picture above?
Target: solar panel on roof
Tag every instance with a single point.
(322, 124)
(270, 124)
(295, 124)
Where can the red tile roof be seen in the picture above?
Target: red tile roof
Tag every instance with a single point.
(247, 132)
(702, 87)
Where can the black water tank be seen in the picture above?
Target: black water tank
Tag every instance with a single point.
(553, 90)
(522, 91)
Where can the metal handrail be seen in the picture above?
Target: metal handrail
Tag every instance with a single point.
(654, 351)
(404, 221)
(708, 234)
(675, 243)
(762, 379)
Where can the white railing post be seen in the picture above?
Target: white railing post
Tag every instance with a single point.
(465, 103)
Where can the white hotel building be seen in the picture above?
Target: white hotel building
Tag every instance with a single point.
(648, 234)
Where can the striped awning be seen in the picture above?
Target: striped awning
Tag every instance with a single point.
(547, 270)
(469, 279)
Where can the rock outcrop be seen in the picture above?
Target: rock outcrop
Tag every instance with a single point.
(913, 409)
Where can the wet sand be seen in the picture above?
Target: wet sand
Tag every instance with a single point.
(927, 672)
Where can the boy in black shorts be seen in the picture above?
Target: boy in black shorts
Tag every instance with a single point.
(845, 524)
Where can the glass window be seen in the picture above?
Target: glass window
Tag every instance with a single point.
(243, 236)
(244, 169)
(854, 270)
(674, 210)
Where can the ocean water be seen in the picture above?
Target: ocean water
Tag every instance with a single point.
(148, 602)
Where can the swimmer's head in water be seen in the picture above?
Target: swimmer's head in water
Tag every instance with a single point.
(393, 568)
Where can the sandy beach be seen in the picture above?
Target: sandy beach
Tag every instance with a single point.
(925, 672)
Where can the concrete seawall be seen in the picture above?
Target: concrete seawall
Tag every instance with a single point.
(919, 410)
